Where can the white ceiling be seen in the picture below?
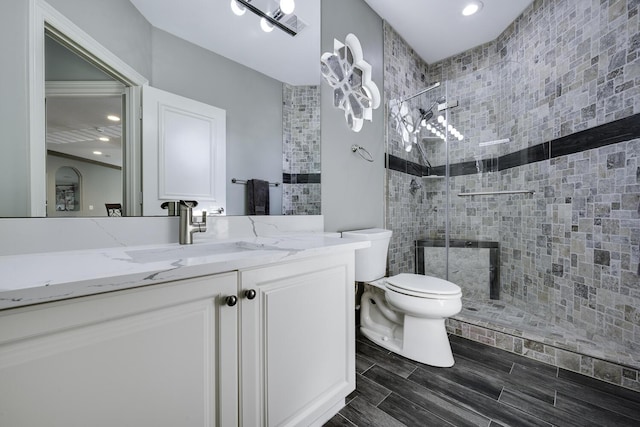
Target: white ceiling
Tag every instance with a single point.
(74, 124)
(211, 24)
(434, 28)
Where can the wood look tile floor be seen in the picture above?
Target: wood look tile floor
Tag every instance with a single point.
(485, 387)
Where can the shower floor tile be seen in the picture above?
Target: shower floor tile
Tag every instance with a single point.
(503, 317)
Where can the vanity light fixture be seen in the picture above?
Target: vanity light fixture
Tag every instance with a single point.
(237, 9)
(287, 6)
(472, 8)
(265, 26)
(275, 14)
(113, 118)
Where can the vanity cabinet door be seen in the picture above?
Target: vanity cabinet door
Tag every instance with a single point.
(297, 344)
(162, 355)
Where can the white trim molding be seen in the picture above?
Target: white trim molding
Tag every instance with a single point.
(84, 88)
(41, 16)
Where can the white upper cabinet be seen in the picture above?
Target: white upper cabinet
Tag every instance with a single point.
(183, 152)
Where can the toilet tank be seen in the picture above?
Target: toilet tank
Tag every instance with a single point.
(371, 263)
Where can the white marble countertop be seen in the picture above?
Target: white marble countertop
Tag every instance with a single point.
(50, 276)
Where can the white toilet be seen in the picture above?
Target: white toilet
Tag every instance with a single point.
(404, 313)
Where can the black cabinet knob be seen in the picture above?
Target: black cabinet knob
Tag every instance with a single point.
(250, 293)
(231, 300)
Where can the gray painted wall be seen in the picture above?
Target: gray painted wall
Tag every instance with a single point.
(116, 24)
(253, 103)
(352, 189)
(14, 123)
(61, 64)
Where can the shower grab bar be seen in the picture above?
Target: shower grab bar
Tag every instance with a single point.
(493, 193)
(363, 152)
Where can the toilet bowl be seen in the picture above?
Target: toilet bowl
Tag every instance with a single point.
(404, 313)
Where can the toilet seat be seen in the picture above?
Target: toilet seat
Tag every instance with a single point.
(423, 286)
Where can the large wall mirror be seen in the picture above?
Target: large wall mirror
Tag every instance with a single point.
(85, 111)
(88, 88)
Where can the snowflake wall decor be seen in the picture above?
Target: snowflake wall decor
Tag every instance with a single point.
(349, 75)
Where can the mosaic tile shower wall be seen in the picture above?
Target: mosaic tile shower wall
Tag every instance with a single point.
(301, 150)
(404, 75)
(570, 251)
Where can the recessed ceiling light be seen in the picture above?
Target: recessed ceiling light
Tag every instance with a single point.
(113, 118)
(104, 139)
(471, 8)
(97, 153)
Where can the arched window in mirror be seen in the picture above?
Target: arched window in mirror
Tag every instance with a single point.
(67, 189)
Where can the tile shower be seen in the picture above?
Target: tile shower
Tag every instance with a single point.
(562, 84)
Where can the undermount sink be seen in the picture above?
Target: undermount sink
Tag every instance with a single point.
(191, 251)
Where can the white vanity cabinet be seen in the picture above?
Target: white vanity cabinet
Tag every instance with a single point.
(161, 355)
(266, 346)
(297, 344)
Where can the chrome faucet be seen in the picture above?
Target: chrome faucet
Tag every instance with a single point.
(187, 225)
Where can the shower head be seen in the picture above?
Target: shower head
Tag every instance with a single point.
(426, 115)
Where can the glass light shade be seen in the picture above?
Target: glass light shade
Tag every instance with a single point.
(265, 25)
(287, 6)
(237, 9)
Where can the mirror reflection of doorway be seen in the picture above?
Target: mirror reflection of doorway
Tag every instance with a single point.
(84, 130)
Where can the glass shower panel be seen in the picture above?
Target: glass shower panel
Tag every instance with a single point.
(476, 109)
(416, 207)
(431, 245)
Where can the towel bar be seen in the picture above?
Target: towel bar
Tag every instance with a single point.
(493, 193)
(244, 181)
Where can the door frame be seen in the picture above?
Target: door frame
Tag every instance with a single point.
(43, 16)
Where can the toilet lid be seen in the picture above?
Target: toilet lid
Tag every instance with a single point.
(417, 284)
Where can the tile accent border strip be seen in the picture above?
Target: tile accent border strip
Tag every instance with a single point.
(301, 178)
(609, 133)
(405, 166)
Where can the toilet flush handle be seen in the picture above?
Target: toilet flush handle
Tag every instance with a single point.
(250, 293)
